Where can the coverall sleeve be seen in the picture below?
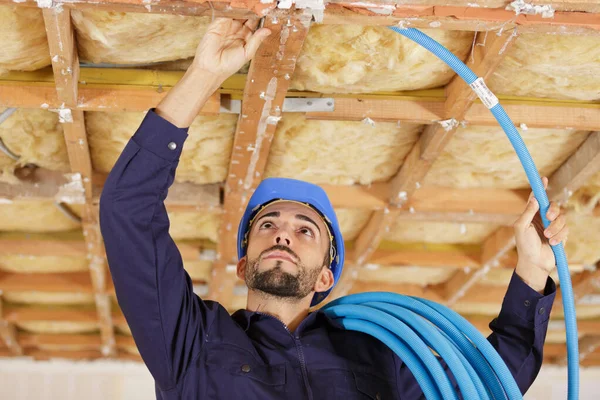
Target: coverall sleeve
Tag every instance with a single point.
(167, 319)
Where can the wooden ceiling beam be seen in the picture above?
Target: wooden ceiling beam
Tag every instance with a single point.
(29, 313)
(89, 342)
(463, 18)
(65, 65)
(266, 86)
(74, 282)
(577, 170)
(569, 17)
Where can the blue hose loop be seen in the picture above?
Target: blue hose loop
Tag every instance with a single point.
(436, 341)
(475, 348)
(479, 370)
(361, 318)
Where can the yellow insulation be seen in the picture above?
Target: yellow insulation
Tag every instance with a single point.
(554, 66)
(136, 38)
(483, 157)
(22, 39)
(206, 152)
(440, 232)
(19, 263)
(339, 152)
(360, 59)
(34, 216)
(36, 137)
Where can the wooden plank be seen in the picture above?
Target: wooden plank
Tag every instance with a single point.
(409, 109)
(416, 108)
(89, 342)
(482, 205)
(459, 258)
(8, 333)
(468, 200)
(19, 244)
(577, 170)
(65, 65)
(92, 98)
(75, 282)
(462, 18)
(266, 86)
(537, 114)
(63, 51)
(28, 313)
(534, 113)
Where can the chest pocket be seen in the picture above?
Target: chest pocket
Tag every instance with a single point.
(351, 385)
(234, 374)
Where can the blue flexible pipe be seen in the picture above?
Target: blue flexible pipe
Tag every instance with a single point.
(396, 319)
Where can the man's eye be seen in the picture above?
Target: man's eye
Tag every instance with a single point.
(266, 225)
(306, 231)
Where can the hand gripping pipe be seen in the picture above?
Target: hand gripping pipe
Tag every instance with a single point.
(400, 321)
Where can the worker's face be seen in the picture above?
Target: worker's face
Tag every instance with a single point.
(288, 252)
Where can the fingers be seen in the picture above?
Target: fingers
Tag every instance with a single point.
(252, 24)
(255, 41)
(553, 211)
(557, 230)
(561, 236)
(527, 217)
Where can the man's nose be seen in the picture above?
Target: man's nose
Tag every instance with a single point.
(283, 237)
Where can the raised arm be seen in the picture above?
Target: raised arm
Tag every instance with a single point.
(166, 318)
(519, 331)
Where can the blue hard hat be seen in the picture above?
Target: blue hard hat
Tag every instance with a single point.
(273, 189)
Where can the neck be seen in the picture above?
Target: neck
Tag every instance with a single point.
(291, 313)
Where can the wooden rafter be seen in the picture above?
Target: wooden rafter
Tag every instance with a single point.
(568, 17)
(464, 18)
(137, 90)
(577, 170)
(266, 86)
(487, 54)
(65, 65)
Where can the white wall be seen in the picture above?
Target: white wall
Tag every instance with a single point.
(103, 380)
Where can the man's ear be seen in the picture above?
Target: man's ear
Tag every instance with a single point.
(325, 281)
(241, 268)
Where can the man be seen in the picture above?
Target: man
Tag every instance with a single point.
(290, 256)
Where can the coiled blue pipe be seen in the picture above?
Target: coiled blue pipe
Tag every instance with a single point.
(397, 321)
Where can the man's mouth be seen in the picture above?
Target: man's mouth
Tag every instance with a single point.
(281, 255)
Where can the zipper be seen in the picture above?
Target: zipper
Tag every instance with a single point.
(300, 354)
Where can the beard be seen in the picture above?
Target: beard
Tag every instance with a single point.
(281, 284)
